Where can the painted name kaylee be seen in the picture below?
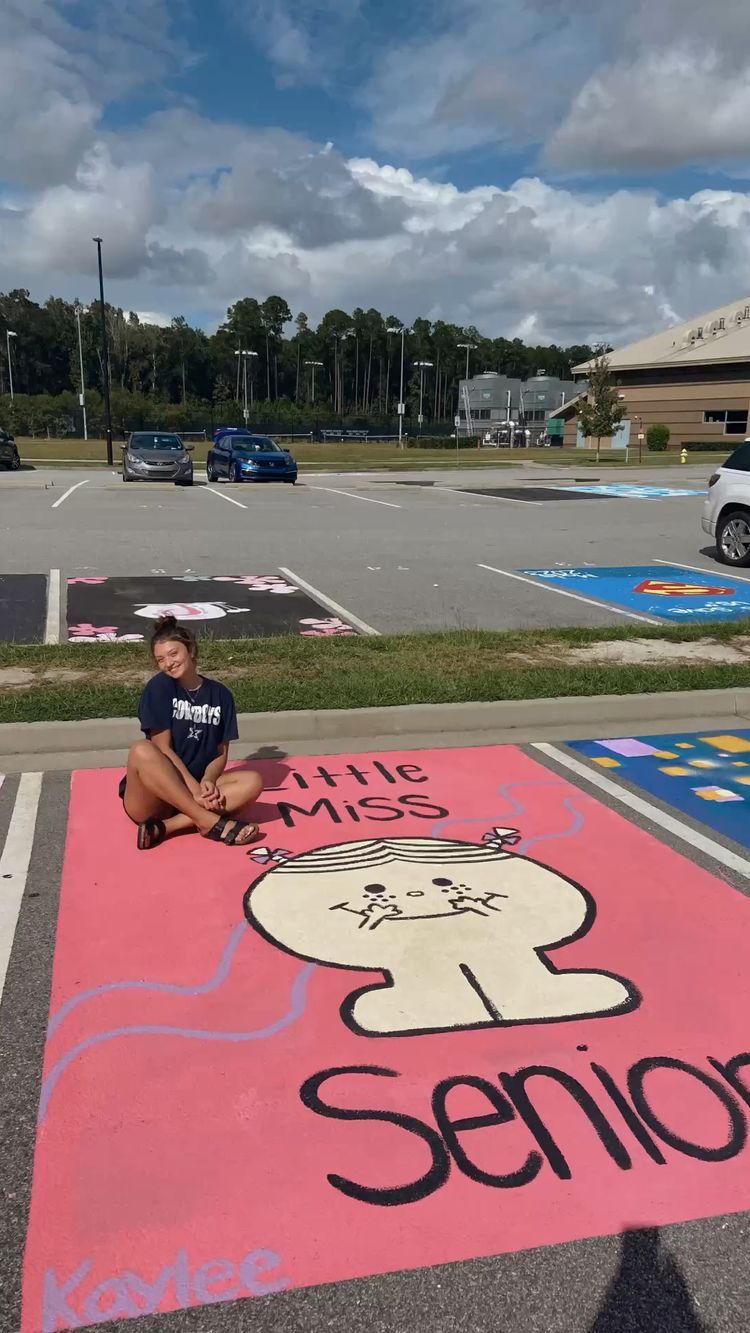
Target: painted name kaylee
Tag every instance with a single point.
(72, 1302)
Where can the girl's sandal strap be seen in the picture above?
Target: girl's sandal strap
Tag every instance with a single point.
(150, 833)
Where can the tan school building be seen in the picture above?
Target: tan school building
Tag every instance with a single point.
(694, 377)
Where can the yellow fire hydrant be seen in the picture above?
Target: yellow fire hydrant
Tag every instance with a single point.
(684, 456)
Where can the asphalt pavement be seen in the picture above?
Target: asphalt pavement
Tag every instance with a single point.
(643, 1278)
(423, 550)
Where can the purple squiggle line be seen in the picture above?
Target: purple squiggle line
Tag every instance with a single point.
(579, 820)
(296, 1009)
(163, 987)
(503, 791)
(518, 808)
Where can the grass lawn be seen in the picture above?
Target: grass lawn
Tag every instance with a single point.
(70, 681)
(373, 456)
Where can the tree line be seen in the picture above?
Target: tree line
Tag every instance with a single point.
(349, 365)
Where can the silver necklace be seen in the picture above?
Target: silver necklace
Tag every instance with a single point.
(195, 688)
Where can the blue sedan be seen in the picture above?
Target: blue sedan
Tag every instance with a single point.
(249, 458)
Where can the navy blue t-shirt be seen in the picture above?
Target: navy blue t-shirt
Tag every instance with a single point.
(200, 720)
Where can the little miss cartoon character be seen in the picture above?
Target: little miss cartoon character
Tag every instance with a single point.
(460, 930)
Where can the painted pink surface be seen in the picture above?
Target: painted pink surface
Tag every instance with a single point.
(175, 1170)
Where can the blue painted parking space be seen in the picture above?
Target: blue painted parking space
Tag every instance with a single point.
(627, 491)
(670, 592)
(704, 776)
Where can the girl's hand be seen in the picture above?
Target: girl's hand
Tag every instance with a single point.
(210, 795)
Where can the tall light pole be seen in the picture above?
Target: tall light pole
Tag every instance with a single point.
(352, 333)
(243, 358)
(8, 335)
(401, 405)
(312, 365)
(105, 355)
(82, 395)
(468, 348)
(252, 357)
(423, 366)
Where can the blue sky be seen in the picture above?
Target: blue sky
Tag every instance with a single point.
(557, 172)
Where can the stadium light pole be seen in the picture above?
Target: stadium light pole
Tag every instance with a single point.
(82, 396)
(312, 365)
(105, 355)
(401, 407)
(423, 366)
(253, 358)
(352, 333)
(8, 335)
(468, 348)
(243, 358)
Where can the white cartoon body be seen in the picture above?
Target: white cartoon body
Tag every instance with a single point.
(458, 928)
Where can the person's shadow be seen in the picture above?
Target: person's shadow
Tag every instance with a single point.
(648, 1293)
(268, 760)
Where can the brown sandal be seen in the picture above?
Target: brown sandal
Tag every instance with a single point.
(233, 828)
(150, 833)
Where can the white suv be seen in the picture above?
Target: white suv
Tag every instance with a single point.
(726, 511)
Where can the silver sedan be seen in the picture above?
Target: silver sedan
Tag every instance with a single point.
(157, 456)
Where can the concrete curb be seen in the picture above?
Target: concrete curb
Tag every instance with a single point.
(413, 720)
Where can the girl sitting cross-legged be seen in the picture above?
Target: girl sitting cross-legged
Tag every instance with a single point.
(176, 780)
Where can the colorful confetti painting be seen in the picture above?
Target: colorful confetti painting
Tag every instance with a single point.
(704, 776)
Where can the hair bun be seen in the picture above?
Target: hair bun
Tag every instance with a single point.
(168, 622)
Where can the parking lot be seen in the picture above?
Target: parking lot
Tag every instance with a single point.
(196, 1069)
(368, 553)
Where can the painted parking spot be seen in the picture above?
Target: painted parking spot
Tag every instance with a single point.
(527, 494)
(452, 1006)
(122, 610)
(705, 776)
(629, 491)
(23, 607)
(667, 591)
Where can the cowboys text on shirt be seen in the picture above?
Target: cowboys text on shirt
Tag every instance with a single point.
(184, 710)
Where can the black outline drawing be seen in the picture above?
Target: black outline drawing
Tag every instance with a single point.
(495, 1019)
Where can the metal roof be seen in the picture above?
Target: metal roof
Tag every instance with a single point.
(721, 335)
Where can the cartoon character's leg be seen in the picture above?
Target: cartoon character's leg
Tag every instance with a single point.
(421, 1001)
(522, 989)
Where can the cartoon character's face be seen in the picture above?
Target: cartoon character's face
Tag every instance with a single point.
(371, 916)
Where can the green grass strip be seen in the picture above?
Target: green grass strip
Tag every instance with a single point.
(294, 673)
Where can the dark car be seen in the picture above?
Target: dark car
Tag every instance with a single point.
(153, 455)
(10, 458)
(249, 458)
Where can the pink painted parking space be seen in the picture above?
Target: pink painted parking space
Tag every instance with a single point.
(451, 1006)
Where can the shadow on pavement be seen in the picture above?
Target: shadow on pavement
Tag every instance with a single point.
(648, 1294)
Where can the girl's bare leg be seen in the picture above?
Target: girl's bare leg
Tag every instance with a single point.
(153, 785)
(239, 788)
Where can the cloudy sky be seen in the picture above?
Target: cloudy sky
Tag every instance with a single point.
(568, 171)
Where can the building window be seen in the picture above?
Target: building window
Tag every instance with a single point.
(733, 421)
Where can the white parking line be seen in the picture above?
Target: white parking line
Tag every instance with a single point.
(229, 498)
(674, 826)
(328, 602)
(701, 569)
(576, 596)
(506, 499)
(14, 862)
(388, 503)
(52, 624)
(70, 491)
